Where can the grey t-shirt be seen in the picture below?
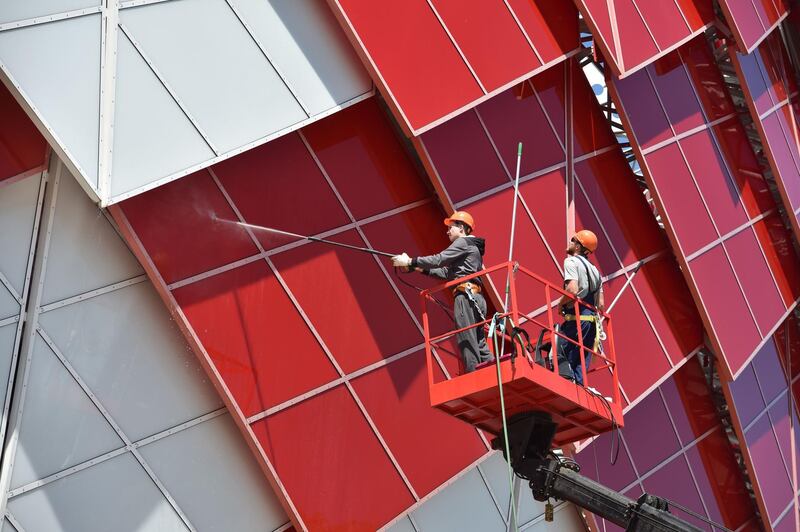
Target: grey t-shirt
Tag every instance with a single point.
(574, 270)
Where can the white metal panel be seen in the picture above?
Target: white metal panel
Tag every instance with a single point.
(309, 48)
(85, 251)
(57, 66)
(7, 337)
(133, 358)
(404, 525)
(463, 505)
(60, 425)
(114, 495)
(17, 213)
(153, 138)
(8, 527)
(207, 57)
(8, 305)
(495, 470)
(13, 10)
(218, 490)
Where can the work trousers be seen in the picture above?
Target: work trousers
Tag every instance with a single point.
(572, 352)
(472, 342)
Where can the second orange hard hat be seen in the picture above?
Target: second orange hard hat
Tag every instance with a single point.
(587, 239)
(461, 216)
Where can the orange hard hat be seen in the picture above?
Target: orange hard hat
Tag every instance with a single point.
(461, 216)
(587, 239)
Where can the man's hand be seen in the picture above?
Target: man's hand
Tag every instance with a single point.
(401, 261)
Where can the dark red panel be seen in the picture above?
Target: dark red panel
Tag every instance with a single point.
(22, 148)
(473, 24)
(463, 157)
(180, 225)
(777, 244)
(360, 488)
(552, 26)
(396, 398)
(680, 198)
(643, 110)
(330, 283)
(669, 306)
(418, 64)
(594, 133)
(360, 153)
(716, 186)
(731, 321)
(654, 439)
(508, 121)
(751, 20)
(676, 94)
(228, 313)
(282, 174)
(754, 275)
(644, 29)
(782, 143)
(549, 214)
(413, 55)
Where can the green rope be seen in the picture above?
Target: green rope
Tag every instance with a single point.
(492, 333)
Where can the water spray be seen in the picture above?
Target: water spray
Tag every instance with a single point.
(305, 237)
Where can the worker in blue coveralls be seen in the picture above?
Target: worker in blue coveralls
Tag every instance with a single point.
(463, 257)
(583, 281)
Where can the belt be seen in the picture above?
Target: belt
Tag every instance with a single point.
(464, 287)
(584, 317)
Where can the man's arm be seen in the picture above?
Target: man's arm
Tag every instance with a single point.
(570, 281)
(454, 251)
(601, 301)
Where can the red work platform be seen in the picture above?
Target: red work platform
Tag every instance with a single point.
(527, 386)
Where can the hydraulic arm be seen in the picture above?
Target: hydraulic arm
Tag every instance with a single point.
(551, 477)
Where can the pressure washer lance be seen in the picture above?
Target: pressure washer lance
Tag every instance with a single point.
(311, 238)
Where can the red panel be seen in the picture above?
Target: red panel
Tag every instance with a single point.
(362, 156)
(664, 21)
(594, 133)
(473, 23)
(690, 405)
(753, 273)
(726, 307)
(640, 357)
(750, 20)
(414, 57)
(785, 152)
(675, 94)
(654, 441)
(585, 217)
(332, 464)
(545, 197)
(643, 110)
(776, 242)
(752, 76)
(706, 79)
(330, 283)
(396, 398)
(282, 174)
(670, 307)
(618, 201)
(463, 157)
(508, 121)
(597, 14)
(711, 175)
(180, 225)
(552, 26)
(228, 313)
(680, 198)
(550, 89)
(22, 148)
(697, 12)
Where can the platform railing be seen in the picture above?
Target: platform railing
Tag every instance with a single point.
(552, 294)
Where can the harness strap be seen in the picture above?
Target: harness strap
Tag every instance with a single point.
(592, 318)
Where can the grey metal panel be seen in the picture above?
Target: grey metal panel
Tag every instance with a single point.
(404, 525)
(8, 305)
(85, 252)
(60, 425)
(17, 213)
(57, 66)
(8, 527)
(463, 505)
(153, 138)
(495, 470)
(309, 48)
(214, 479)
(13, 10)
(113, 495)
(131, 355)
(7, 337)
(215, 68)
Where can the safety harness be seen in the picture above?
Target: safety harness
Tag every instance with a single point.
(594, 288)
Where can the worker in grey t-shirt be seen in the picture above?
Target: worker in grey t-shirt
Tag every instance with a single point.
(463, 257)
(582, 280)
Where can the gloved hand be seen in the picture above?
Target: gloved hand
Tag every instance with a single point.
(402, 260)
